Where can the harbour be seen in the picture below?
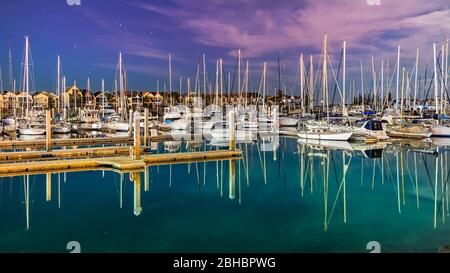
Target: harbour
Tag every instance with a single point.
(144, 138)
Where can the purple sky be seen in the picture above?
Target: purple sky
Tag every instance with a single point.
(89, 37)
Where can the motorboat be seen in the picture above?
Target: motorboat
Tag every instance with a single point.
(371, 128)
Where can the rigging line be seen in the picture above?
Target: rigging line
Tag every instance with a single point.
(432, 78)
(336, 84)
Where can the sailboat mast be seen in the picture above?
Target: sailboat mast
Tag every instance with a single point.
(103, 97)
(311, 83)
(246, 82)
(403, 87)
(26, 83)
(398, 78)
(302, 95)
(239, 74)
(58, 83)
(204, 76)
(264, 84)
(216, 85)
(88, 91)
(344, 54)
(170, 73)
(170, 79)
(442, 77)
(324, 76)
(446, 66)
(382, 86)
(15, 98)
(121, 88)
(221, 81)
(415, 78)
(10, 68)
(64, 102)
(374, 79)
(435, 80)
(362, 86)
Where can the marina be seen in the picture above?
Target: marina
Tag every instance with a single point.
(257, 144)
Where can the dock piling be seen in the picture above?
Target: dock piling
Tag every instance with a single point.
(232, 128)
(137, 136)
(48, 128)
(145, 127)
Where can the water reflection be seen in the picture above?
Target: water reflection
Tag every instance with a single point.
(336, 180)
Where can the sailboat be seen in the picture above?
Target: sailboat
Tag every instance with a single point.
(9, 122)
(117, 123)
(325, 131)
(60, 127)
(33, 125)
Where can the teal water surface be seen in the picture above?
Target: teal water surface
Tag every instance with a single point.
(268, 208)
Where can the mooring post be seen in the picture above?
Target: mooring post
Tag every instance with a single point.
(145, 127)
(48, 128)
(232, 129)
(137, 135)
(130, 122)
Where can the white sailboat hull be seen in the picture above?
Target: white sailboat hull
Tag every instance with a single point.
(118, 126)
(31, 131)
(440, 131)
(338, 136)
(288, 122)
(334, 144)
(61, 129)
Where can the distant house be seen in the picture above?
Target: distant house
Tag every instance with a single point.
(73, 97)
(24, 99)
(45, 100)
(109, 98)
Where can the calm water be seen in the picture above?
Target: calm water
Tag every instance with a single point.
(193, 207)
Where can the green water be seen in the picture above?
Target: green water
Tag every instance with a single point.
(188, 208)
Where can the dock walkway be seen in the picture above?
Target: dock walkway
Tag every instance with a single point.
(117, 163)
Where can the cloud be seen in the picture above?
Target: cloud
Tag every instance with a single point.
(263, 27)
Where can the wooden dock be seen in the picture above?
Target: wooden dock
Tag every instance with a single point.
(118, 163)
(40, 143)
(64, 154)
